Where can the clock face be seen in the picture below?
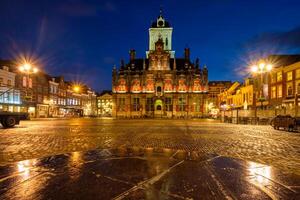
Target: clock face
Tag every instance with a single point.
(160, 23)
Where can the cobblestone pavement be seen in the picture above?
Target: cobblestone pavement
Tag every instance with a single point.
(262, 144)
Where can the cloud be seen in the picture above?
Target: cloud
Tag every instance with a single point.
(280, 40)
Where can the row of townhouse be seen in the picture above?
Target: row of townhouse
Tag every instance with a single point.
(42, 95)
(280, 88)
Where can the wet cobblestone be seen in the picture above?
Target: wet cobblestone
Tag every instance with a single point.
(263, 144)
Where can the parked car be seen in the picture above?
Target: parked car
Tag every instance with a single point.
(286, 122)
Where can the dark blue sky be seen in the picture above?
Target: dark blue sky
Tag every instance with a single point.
(83, 39)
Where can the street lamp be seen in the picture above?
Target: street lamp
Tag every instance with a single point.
(261, 68)
(27, 69)
(76, 88)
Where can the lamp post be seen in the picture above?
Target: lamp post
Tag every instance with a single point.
(261, 68)
(27, 69)
(77, 89)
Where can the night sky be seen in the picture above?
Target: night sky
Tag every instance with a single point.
(82, 40)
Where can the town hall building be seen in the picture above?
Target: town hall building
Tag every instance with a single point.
(160, 85)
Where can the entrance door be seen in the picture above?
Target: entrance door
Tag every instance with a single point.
(158, 108)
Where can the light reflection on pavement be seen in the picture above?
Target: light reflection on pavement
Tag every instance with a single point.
(147, 159)
(137, 173)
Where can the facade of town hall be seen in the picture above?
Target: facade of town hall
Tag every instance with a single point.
(160, 85)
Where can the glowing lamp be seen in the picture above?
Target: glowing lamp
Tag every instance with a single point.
(27, 66)
(261, 66)
(254, 68)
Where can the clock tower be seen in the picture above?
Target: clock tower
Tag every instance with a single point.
(160, 29)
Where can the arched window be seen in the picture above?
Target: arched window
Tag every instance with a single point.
(158, 89)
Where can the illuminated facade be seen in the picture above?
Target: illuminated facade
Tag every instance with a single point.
(160, 85)
(10, 99)
(104, 104)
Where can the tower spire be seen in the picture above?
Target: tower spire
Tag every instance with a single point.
(160, 10)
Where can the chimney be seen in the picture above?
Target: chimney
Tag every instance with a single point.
(187, 53)
(132, 54)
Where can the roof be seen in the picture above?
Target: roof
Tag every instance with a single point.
(105, 92)
(160, 18)
(138, 64)
(283, 60)
(219, 82)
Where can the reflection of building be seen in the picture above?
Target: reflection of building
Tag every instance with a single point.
(9, 97)
(104, 103)
(160, 85)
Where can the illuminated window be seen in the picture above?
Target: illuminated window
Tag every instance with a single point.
(289, 89)
(24, 81)
(298, 88)
(30, 83)
(298, 73)
(289, 76)
(273, 92)
(273, 78)
(279, 91)
(279, 76)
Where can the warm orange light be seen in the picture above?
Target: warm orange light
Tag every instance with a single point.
(21, 68)
(269, 67)
(254, 68)
(27, 66)
(76, 88)
(261, 66)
